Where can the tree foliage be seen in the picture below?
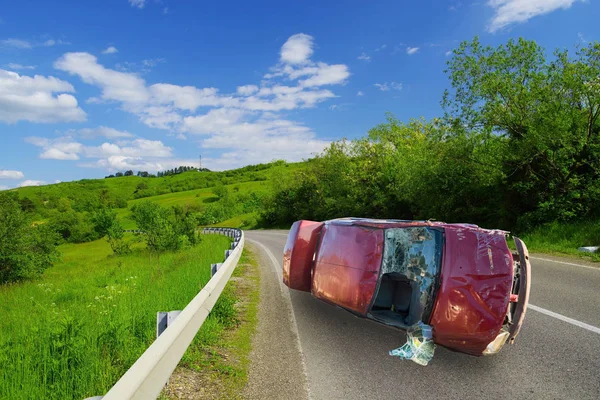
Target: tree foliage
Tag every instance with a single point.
(25, 250)
(164, 228)
(518, 146)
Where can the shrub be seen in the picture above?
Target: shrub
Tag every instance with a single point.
(116, 238)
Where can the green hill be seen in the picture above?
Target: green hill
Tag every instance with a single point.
(193, 189)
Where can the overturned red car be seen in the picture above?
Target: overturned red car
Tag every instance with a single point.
(458, 278)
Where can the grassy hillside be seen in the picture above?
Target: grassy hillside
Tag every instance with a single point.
(89, 194)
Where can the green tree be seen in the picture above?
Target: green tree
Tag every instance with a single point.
(547, 112)
(103, 220)
(25, 250)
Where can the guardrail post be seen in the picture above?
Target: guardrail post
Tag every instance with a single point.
(214, 268)
(164, 319)
(227, 253)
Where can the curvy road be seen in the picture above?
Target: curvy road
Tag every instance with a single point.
(340, 356)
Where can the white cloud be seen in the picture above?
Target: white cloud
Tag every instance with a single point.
(327, 75)
(448, 53)
(508, 12)
(360, 93)
(57, 181)
(31, 182)
(248, 114)
(66, 148)
(115, 85)
(247, 90)
(137, 3)
(18, 43)
(382, 47)
(110, 50)
(387, 86)
(364, 57)
(103, 131)
(33, 99)
(297, 49)
(26, 44)
(411, 50)
(19, 66)
(10, 174)
(4, 187)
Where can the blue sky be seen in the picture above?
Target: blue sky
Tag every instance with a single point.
(91, 87)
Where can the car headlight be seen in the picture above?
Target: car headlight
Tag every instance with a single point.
(496, 344)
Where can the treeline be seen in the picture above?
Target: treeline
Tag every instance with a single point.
(168, 172)
(518, 146)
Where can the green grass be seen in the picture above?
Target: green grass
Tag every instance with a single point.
(561, 238)
(74, 332)
(220, 353)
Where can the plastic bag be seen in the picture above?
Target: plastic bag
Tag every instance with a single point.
(419, 345)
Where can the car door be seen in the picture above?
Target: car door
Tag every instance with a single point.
(347, 265)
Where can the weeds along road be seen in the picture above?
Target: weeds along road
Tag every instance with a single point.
(556, 355)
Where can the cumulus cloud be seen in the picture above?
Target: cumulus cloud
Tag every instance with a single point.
(250, 113)
(66, 148)
(10, 174)
(297, 49)
(387, 86)
(360, 93)
(507, 12)
(115, 85)
(364, 57)
(110, 50)
(247, 90)
(31, 182)
(37, 99)
(411, 50)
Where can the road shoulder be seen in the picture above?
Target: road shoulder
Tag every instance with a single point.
(276, 369)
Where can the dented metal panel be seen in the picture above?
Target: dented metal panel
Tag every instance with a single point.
(524, 289)
(347, 266)
(298, 254)
(474, 293)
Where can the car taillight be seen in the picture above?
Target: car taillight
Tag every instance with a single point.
(496, 344)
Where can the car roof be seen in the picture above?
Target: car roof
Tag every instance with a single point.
(403, 223)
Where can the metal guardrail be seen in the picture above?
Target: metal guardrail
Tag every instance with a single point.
(149, 374)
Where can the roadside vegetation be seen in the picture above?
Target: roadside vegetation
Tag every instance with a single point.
(216, 364)
(517, 148)
(73, 333)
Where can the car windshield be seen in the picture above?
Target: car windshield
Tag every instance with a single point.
(414, 254)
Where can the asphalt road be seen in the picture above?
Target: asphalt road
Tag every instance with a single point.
(345, 357)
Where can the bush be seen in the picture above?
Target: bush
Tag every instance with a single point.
(25, 250)
(164, 229)
(116, 238)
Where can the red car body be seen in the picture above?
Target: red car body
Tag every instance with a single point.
(461, 279)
